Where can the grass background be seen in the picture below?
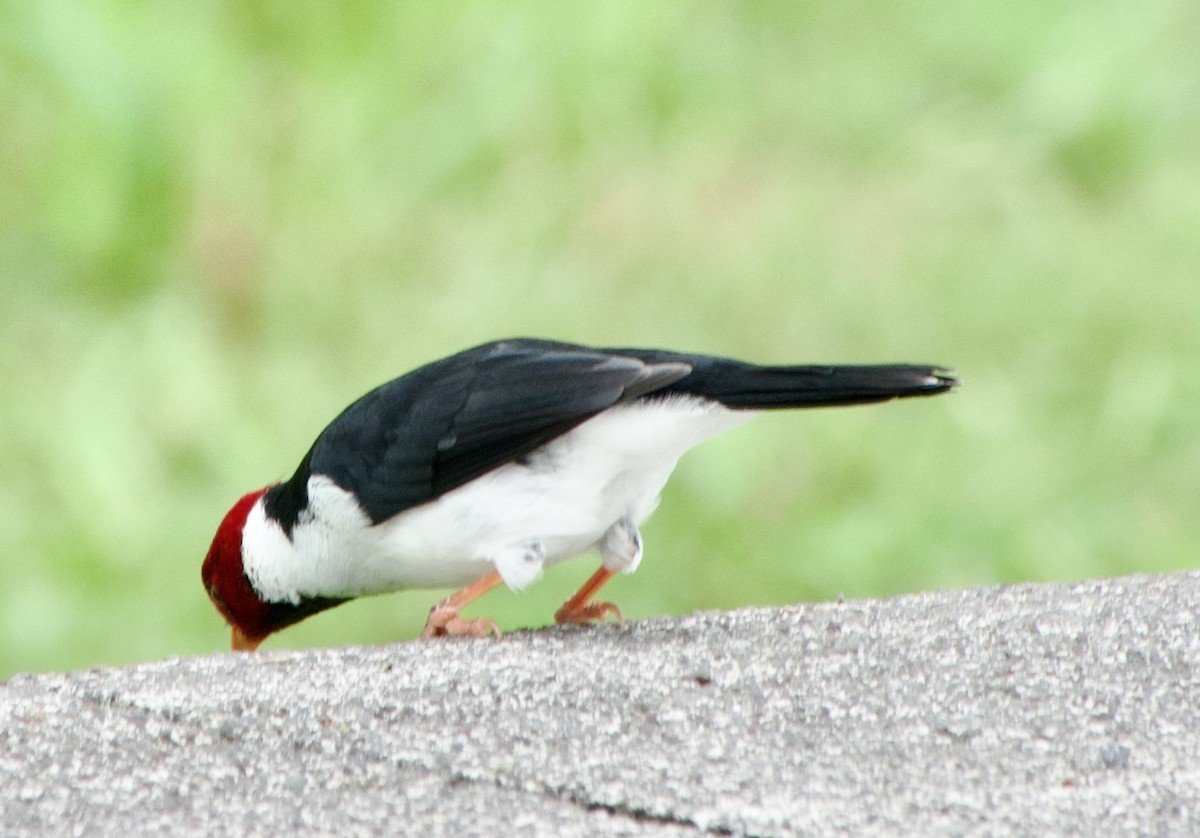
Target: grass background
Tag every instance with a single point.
(221, 222)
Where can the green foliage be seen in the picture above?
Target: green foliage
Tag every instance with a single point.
(221, 222)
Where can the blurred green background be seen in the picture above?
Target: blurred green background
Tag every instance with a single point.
(221, 222)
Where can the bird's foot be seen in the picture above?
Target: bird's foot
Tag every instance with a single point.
(444, 622)
(592, 612)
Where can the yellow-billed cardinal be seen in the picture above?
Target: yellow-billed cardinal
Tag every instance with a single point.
(492, 464)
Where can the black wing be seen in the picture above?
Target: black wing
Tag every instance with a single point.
(421, 435)
(428, 432)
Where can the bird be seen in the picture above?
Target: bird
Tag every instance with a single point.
(487, 466)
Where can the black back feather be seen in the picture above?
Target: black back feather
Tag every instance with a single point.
(444, 424)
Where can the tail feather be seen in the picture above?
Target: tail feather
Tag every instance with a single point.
(747, 386)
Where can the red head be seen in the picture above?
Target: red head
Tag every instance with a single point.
(250, 616)
(226, 582)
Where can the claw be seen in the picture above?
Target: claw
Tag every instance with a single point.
(444, 620)
(590, 613)
(578, 610)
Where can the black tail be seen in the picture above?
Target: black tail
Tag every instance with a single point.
(746, 386)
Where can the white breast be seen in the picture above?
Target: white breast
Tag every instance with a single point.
(564, 496)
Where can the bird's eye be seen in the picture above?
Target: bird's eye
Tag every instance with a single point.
(214, 595)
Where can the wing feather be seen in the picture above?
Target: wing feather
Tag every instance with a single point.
(426, 433)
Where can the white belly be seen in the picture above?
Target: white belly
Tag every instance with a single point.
(566, 498)
(563, 499)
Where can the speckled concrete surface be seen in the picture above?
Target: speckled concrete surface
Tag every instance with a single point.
(1047, 709)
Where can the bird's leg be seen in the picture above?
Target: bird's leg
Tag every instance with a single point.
(620, 550)
(444, 620)
(577, 609)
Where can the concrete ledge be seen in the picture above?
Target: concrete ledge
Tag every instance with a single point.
(1037, 709)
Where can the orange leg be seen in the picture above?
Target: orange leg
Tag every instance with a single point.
(444, 620)
(578, 610)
